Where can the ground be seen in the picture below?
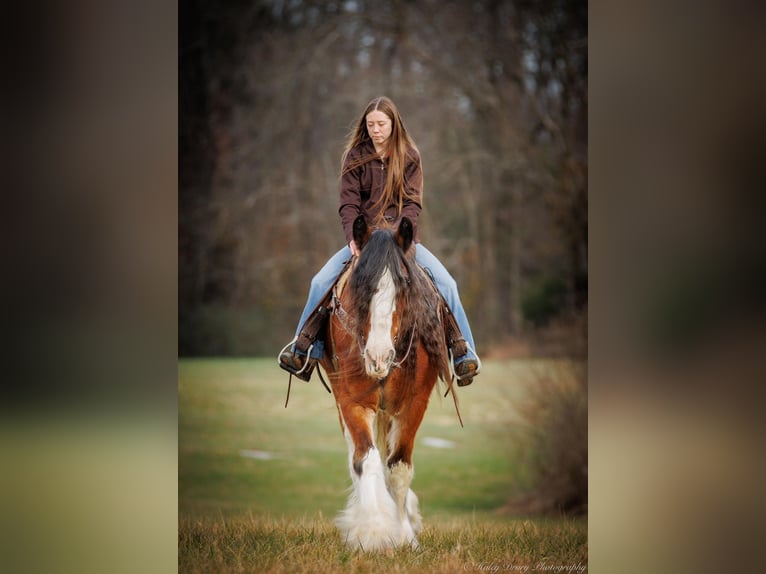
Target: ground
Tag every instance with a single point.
(259, 484)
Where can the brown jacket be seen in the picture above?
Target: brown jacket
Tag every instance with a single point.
(361, 188)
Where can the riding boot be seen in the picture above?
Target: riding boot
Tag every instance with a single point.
(466, 365)
(296, 357)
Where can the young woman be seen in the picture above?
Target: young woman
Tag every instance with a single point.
(382, 179)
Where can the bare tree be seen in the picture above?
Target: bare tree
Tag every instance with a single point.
(494, 93)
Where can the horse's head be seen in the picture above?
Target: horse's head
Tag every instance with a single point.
(378, 287)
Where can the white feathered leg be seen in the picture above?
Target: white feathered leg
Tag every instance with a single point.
(370, 520)
(399, 480)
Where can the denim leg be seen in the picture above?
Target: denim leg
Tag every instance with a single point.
(319, 286)
(447, 286)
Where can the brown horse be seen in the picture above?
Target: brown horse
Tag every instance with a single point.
(385, 351)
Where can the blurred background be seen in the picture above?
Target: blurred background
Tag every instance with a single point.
(494, 93)
(675, 239)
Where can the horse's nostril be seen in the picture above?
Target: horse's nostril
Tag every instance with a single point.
(379, 362)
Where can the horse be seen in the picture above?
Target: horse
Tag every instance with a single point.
(385, 351)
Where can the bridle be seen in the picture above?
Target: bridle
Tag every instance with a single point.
(399, 363)
(343, 318)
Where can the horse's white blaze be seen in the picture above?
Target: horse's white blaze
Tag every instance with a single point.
(379, 352)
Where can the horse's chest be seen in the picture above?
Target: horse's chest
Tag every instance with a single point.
(393, 395)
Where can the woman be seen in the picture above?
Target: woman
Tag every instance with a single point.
(382, 179)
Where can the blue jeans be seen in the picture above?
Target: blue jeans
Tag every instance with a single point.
(446, 285)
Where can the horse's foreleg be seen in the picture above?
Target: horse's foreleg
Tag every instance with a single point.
(357, 423)
(399, 480)
(401, 471)
(402, 438)
(370, 519)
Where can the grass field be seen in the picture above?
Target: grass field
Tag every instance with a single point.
(259, 484)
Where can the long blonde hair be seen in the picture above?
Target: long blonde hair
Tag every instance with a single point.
(399, 146)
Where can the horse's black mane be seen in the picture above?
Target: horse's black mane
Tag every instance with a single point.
(415, 292)
(380, 252)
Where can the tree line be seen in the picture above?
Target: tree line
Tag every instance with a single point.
(494, 93)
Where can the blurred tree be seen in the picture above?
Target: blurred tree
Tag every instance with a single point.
(494, 93)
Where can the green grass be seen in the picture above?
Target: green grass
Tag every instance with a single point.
(247, 514)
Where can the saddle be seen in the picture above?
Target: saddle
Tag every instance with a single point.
(316, 324)
(343, 278)
(454, 338)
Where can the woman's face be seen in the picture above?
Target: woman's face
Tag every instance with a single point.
(378, 127)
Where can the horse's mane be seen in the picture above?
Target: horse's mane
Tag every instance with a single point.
(415, 293)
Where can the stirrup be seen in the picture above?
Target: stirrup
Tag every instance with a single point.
(466, 379)
(304, 373)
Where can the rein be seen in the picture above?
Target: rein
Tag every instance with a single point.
(399, 363)
(339, 311)
(344, 320)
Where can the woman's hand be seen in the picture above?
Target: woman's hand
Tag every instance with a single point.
(354, 249)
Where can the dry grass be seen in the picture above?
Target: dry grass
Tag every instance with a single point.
(240, 514)
(253, 544)
(552, 442)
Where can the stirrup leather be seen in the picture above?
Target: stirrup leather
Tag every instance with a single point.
(458, 347)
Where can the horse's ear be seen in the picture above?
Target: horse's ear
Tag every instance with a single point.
(361, 231)
(404, 234)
